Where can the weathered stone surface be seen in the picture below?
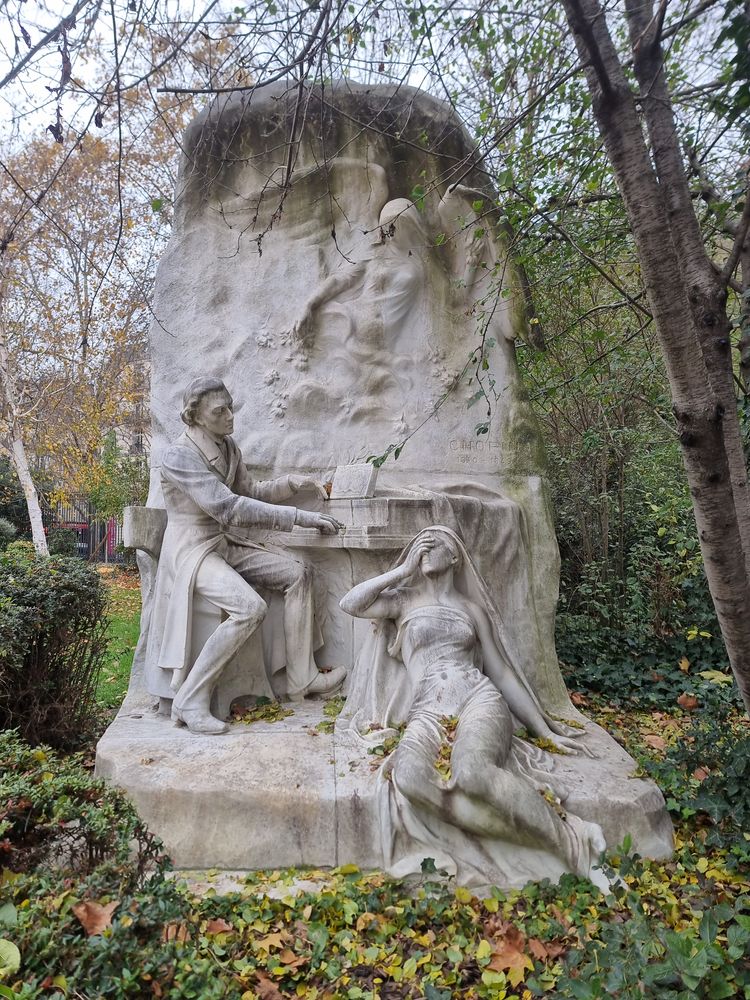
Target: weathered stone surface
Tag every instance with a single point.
(355, 482)
(336, 269)
(346, 319)
(262, 795)
(286, 794)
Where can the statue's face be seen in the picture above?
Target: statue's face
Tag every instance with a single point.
(215, 413)
(439, 557)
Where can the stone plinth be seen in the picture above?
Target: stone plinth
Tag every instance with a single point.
(275, 795)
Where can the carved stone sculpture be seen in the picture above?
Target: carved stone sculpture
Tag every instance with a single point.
(437, 669)
(337, 252)
(348, 266)
(211, 501)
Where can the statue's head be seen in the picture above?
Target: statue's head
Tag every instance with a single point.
(443, 554)
(207, 403)
(401, 222)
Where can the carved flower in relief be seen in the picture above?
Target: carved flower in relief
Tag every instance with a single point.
(278, 408)
(298, 361)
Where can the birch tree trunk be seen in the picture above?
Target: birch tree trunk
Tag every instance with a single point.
(21, 465)
(17, 450)
(689, 307)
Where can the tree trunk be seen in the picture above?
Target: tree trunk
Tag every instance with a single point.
(17, 450)
(706, 293)
(699, 407)
(744, 342)
(21, 465)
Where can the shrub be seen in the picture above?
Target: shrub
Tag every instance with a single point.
(52, 645)
(705, 777)
(7, 532)
(62, 542)
(664, 639)
(74, 849)
(56, 817)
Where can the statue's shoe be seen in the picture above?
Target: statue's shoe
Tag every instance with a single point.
(199, 722)
(324, 683)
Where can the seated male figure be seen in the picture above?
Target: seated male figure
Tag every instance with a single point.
(208, 492)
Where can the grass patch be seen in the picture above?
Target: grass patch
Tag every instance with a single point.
(124, 610)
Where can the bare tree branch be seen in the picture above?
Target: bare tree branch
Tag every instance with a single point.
(743, 226)
(306, 50)
(46, 39)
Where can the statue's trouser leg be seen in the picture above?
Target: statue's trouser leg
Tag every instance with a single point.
(292, 578)
(484, 796)
(218, 583)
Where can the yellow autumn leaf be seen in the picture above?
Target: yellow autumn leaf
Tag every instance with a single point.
(484, 950)
(716, 676)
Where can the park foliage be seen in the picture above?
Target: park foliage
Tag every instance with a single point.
(90, 908)
(637, 634)
(53, 640)
(87, 913)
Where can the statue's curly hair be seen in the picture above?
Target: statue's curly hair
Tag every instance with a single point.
(195, 392)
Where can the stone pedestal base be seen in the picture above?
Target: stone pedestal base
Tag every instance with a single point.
(283, 794)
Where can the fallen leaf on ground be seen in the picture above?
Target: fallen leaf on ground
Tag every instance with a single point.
(511, 961)
(266, 989)
(657, 742)
(544, 950)
(288, 958)
(687, 701)
(175, 932)
(559, 916)
(509, 951)
(272, 941)
(218, 926)
(95, 917)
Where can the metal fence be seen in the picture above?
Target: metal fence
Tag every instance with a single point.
(98, 539)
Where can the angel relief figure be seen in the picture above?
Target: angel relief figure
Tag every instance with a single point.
(459, 787)
(386, 284)
(483, 275)
(360, 319)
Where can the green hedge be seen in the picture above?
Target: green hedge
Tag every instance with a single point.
(52, 645)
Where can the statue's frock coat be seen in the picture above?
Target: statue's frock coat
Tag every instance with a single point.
(210, 499)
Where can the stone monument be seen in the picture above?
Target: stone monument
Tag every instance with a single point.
(337, 261)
